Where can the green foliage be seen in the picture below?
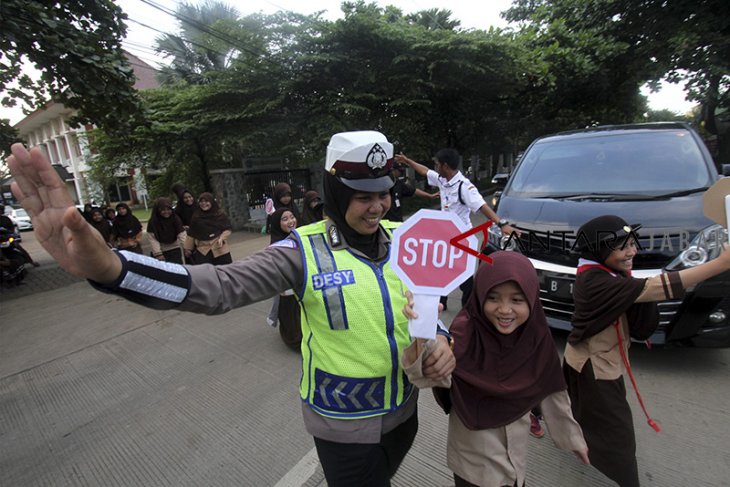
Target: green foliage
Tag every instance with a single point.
(287, 82)
(681, 41)
(665, 116)
(8, 136)
(77, 48)
(205, 43)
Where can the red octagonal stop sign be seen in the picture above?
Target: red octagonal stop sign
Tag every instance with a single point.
(423, 257)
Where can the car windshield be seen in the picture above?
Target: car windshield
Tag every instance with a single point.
(20, 213)
(647, 163)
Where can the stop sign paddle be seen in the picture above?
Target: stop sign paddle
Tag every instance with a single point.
(429, 265)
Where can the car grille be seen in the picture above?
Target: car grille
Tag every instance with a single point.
(562, 308)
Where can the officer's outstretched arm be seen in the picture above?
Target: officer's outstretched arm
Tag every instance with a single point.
(60, 228)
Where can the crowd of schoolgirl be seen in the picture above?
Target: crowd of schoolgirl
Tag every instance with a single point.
(191, 231)
(503, 361)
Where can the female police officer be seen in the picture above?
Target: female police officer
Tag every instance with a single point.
(356, 400)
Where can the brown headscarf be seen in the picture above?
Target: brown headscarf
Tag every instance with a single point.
(164, 229)
(602, 295)
(499, 378)
(281, 190)
(183, 211)
(126, 226)
(309, 214)
(207, 225)
(277, 233)
(104, 227)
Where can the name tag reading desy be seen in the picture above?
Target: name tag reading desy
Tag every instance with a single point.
(332, 279)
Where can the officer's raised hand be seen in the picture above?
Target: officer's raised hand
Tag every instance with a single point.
(60, 228)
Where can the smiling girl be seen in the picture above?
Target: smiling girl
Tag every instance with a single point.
(506, 363)
(285, 308)
(611, 307)
(207, 238)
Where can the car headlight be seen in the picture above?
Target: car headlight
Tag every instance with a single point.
(499, 240)
(703, 248)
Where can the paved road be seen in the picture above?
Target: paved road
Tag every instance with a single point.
(97, 391)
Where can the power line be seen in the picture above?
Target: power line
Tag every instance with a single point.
(150, 63)
(188, 41)
(208, 30)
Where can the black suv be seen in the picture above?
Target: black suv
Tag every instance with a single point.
(652, 174)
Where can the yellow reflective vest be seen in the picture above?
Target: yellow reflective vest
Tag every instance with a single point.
(353, 330)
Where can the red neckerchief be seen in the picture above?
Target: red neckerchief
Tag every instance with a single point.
(621, 347)
(585, 267)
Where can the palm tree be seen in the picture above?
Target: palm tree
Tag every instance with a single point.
(434, 19)
(204, 42)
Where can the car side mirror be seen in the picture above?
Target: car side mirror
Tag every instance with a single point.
(494, 200)
(725, 169)
(500, 179)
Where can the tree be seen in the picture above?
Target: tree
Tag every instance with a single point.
(238, 112)
(294, 80)
(681, 41)
(434, 19)
(425, 87)
(77, 48)
(8, 136)
(204, 44)
(664, 116)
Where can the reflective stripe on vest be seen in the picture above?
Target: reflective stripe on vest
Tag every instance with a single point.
(334, 301)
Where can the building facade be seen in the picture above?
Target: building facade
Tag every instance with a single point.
(68, 150)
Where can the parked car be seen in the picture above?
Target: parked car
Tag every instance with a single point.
(652, 174)
(20, 218)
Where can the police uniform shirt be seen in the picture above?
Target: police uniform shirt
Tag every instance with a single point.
(449, 190)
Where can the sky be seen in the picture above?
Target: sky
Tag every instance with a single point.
(476, 14)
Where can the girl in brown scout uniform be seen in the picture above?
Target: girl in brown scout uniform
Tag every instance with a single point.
(127, 230)
(611, 307)
(209, 231)
(166, 232)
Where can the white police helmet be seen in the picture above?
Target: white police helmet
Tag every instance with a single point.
(361, 160)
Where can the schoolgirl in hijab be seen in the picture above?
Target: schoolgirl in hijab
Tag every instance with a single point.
(506, 364)
(210, 228)
(127, 230)
(282, 199)
(101, 224)
(312, 208)
(166, 233)
(611, 307)
(285, 308)
(186, 205)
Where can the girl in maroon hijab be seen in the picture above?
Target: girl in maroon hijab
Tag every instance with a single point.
(506, 363)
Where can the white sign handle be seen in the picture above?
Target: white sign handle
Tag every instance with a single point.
(426, 307)
(727, 215)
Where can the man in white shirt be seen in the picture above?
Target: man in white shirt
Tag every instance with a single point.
(458, 195)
